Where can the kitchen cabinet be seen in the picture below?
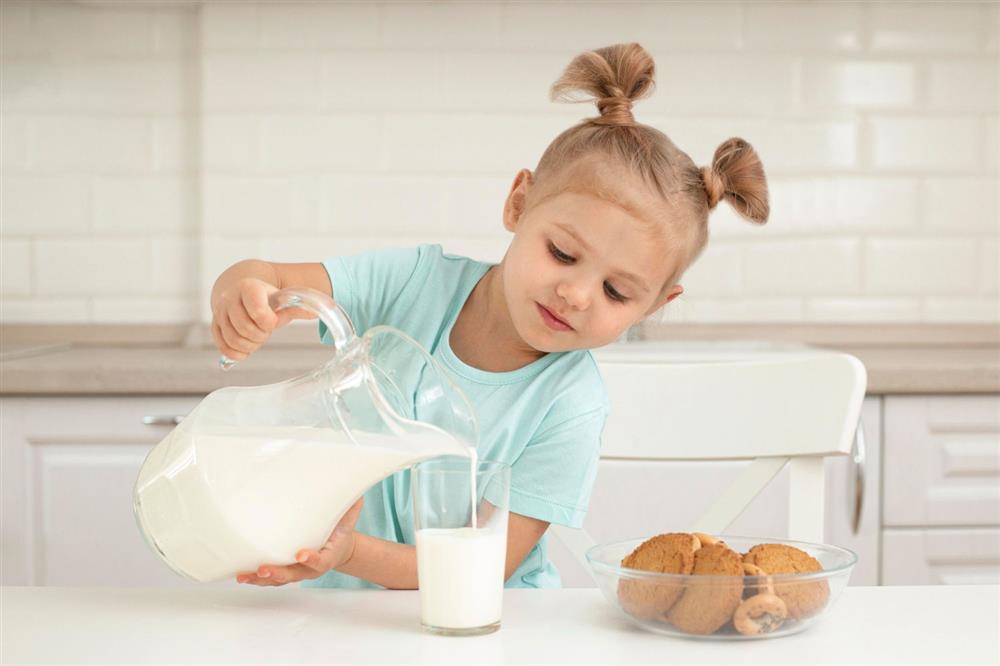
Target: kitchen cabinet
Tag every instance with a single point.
(942, 489)
(69, 464)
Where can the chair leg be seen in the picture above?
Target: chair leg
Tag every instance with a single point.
(805, 498)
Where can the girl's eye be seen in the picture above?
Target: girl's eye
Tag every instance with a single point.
(559, 254)
(613, 294)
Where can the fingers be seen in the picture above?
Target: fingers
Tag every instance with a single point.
(270, 575)
(223, 346)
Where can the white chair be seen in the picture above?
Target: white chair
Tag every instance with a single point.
(776, 408)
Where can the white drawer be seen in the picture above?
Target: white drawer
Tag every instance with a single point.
(942, 461)
(941, 556)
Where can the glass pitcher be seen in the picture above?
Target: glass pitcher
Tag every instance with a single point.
(254, 474)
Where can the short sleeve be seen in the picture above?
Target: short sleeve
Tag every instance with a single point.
(367, 285)
(553, 477)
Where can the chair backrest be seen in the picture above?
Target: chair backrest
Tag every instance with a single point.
(777, 408)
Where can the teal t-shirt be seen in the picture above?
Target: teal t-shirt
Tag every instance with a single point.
(544, 420)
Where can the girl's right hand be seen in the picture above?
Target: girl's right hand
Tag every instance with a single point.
(242, 318)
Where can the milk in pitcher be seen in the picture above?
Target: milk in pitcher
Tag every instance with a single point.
(259, 495)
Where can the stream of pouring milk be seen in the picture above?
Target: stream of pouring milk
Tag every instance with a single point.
(258, 495)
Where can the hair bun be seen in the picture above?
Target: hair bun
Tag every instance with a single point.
(614, 77)
(738, 176)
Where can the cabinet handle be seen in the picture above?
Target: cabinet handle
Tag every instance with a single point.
(858, 457)
(162, 420)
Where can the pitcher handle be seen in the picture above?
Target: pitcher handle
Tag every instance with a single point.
(331, 314)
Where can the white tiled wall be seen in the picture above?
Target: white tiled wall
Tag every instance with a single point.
(147, 145)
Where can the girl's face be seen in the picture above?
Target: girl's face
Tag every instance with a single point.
(581, 270)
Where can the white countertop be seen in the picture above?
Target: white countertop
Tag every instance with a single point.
(898, 625)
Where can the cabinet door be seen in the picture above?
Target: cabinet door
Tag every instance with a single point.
(639, 498)
(69, 465)
(941, 556)
(942, 461)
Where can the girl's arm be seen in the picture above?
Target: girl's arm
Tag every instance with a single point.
(242, 319)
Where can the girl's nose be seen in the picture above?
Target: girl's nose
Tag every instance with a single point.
(574, 293)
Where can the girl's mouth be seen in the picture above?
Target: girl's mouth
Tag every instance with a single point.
(552, 321)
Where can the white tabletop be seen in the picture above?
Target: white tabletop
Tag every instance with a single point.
(911, 625)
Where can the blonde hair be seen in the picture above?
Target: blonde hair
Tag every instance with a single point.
(615, 77)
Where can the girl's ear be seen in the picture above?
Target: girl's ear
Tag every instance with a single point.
(513, 208)
(674, 292)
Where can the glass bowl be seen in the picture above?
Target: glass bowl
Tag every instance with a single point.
(654, 600)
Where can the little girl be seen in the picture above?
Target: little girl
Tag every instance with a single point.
(604, 228)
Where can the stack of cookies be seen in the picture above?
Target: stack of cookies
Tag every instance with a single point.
(748, 606)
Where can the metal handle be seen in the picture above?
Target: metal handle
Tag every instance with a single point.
(161, 420)
(858, 457)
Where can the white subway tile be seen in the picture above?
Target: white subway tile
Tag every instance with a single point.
(383, 205)
(16, 36)
(92, 267)
(972, 85)
(229, 26)
(924, 27)
(989, 267)
(41, 310)
(862, 310)
(319, 27)
(473, 206)
(140, 206)
(78, 29)
(991, 26)
(753, 84)
(784, 146)
(805, 267)
(920, 266)
(467, 143)
(45, 206)
(803, 26)
(749, 310)
(256, 82)
(150, 310)
(866, 84)
(804, 206)
(31, 85)
(15, 271)
(174, 266)
(991, 144)
(384, 81)
(123, 87)
(962, 204)
(256, 206)
(490, 250)
(298, 249)
(485, 81)
(14, 139)
(717, 272)
(176, 30)
(925, 144)
(230, 143)
(439, 26)
(537, 26)
(175, 144)
(964, 310)
(290, 143)
(90, 144)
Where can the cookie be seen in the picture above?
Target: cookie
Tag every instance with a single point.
(665, 553)
(762, 583)
(802, 599)
(707, 605)
(760, 614)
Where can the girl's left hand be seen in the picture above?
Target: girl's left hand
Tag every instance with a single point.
(337, 550)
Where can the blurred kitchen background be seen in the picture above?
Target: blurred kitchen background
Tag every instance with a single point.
(149, 144)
